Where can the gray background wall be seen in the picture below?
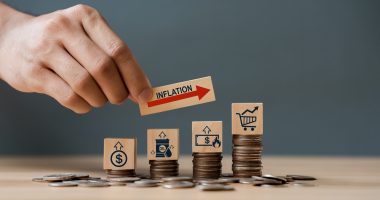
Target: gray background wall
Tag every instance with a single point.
(314, 64)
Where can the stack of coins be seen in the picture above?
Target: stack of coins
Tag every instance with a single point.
(120, 173)
(207, 165)
(163, 168)
(246, 155)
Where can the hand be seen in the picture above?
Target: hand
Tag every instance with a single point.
(71, 55)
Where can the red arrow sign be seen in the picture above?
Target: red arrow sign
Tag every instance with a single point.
(200, 92)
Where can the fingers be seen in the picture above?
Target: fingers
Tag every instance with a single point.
(76, 77)
(99, 31)
(98, 64)
(55, 87)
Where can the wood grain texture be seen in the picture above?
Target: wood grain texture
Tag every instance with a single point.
(247, 118)
(171, 136)
(204, 94)
(125, 148)
(210, 130)
(339, 178)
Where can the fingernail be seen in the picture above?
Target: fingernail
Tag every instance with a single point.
(145, 95)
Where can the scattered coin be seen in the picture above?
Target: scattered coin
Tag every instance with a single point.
(40, 180)
(58, 177)
(177, 184)
(144, 183)
(268, 176)
(301, 177)
(112, 183)
(230, 179)
(247, 180)
(177, 178)
(62, 184)
(124, 179)
(215, 187)
(81, 176)
(94, 184)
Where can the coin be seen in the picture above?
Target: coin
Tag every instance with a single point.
(177, 184)
(112, 183)
(301, 177)
(94, 184)
(81, 176)
(143, 184)
(268, 176)
(62, 184)
(177, 178)
(230, 179)
(215, 187)
(207, 165)
(58, 177)
(40, 180)
(124, 179)
(212, 181)
(163, 168)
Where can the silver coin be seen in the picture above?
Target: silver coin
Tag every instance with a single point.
(76, 181)
(116, 183)
(59, 177)
(39, 179)
(178, 184)
(142, 184)
(81, 175)
(215, 187)
(212, 181)
(230, 179)
(62, 184)
(177, 178)
(149, 181)
(301, 177)
(267, 182)
(247, 180)
(268, 176)
(124, 179)
(94, 184)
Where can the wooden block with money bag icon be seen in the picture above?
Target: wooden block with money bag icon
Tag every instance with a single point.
(163, 144)
(120, 153)
(207, 136)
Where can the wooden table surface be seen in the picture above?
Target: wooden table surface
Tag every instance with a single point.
(338, 178)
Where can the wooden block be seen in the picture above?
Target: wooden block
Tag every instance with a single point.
(163, 144)
(179, 95)
(247, 118)
(120, 153)
(207, 136)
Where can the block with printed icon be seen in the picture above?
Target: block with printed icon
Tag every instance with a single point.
(247, 118)
(163, 144)
(179, 95)
(207, 136)
(119, 153)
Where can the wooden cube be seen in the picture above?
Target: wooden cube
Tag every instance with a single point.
(247, 118)
(207, 136)
(163, 144)
(119, 153)
(179, 95)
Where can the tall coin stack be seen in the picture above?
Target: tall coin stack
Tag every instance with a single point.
(119, 157)
(247, 130)
(163, 151)
(207, 149)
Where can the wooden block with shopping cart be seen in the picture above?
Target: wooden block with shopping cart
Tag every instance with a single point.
(247, 118)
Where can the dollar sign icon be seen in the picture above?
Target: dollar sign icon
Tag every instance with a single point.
(119, 158)
(207, 140)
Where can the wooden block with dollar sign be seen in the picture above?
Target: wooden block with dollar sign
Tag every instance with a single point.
(119, 153)
(207, 136)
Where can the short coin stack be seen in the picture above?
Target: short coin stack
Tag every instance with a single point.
(246, 155)
(120, 173)
(163, 168)
(207, 165)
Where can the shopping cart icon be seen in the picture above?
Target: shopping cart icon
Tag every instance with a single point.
(247, 119)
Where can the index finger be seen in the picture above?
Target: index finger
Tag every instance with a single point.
(100, 32)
